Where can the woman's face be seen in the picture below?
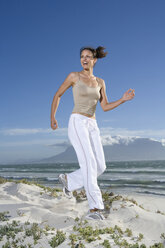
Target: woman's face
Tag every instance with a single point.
(87, 60)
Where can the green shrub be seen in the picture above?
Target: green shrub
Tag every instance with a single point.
(58, 239)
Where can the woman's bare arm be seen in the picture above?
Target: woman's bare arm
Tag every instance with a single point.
(106, 106)
(56, 99)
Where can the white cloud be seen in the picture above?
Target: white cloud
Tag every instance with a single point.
(145, 133)
(59, 137)
(148, 133)
(27, 131)
(119, 139)
(24, 131)
(106, 140)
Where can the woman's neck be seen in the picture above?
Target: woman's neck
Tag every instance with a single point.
(88, 73)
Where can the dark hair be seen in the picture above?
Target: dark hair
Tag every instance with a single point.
(97, 53)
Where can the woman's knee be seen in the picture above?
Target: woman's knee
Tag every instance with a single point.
(104, 168)
(101, 169)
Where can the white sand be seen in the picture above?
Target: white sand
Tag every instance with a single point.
(25, 203)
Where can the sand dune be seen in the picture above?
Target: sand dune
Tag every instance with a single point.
(145, 215)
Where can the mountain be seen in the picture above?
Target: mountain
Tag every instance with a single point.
(120, 149)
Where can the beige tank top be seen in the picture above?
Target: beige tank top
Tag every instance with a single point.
(85, 97)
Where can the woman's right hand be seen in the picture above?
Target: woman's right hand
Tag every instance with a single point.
(54, 124)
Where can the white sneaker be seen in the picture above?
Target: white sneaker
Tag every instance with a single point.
(63, 181)
(96, 215)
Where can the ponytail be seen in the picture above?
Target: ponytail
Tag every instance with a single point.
(97, 53)
(100, 52)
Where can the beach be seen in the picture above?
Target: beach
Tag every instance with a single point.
(47, 218)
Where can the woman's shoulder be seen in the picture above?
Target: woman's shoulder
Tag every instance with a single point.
(101, 81)
(73, 76)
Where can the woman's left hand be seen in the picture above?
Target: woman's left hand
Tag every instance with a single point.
(128, 95)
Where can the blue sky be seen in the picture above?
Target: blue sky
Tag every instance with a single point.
(39, 47)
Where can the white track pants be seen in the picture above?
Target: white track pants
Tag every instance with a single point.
(84, 135)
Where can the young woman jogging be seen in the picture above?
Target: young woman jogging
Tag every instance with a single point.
(83, 131)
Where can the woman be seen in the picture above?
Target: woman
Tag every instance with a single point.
(83, 131)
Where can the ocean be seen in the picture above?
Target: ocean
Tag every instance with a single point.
(120, 177)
